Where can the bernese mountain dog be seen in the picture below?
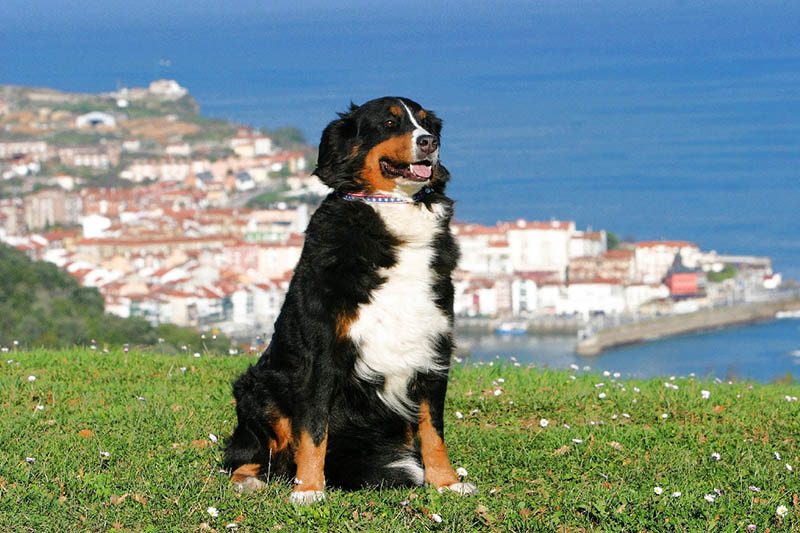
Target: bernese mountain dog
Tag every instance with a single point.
(350, 391)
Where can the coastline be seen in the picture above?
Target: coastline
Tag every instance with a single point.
(706, 319)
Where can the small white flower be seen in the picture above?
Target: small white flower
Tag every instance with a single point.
(567, 426)
(459, 415)
(141, 398)
(498, 392)
(672, 378)
(501, 380)
(586, 368)
(517, 364)
(614, 417)
(212, 437)
(40, 407)
(510, 402)
(577, 441)
(183, 369)
(751, 527)
(213, 512)
(458, 360)
(436, 518)
(606, 373)
(709, 498)
(676, 494)
(30, 460)
(658, 490)
(626, 415)
(777, 456)
(573, 366)
(544, 422)
(461, 472)
(491, 363)
(788, 467)
(31, 379)
(617, 374)
(664, 416)
(104, 454)
(598, 385)
(716, 456)
(706, 394)
(197, 354)
(184, 348)
(232, 525)
(602, 395)
(754, 488)
(635, 400)
(781, 511)
(16, 343)
(475, 411)
(636, 389)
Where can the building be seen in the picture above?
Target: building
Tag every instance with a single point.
(654, 258)
(540, 246)
(50, 207)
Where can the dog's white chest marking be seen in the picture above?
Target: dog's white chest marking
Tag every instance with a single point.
(396, 331)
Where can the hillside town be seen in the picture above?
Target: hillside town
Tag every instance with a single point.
(199, 223)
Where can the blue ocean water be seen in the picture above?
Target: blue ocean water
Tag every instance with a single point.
(661, 121)
(761, 352)
(656, 120)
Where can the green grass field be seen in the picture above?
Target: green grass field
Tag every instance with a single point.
(98, 442)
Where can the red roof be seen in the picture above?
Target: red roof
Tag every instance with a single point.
(667, 244)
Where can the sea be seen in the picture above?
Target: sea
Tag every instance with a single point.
(673, 122)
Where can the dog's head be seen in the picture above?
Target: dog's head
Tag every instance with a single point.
(389, 145)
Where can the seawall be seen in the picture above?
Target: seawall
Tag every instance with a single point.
(705, 319)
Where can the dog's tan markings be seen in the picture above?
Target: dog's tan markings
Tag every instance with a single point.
(245, 471)
(310, 461)
(282, 427)
(422, 114)
(396, 111)
(438, 471)
(343, 322)
(397, 149)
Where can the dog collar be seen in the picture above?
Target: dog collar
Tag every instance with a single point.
(384, 199)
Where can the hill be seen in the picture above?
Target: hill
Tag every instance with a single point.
(133, 441)
(41, 305)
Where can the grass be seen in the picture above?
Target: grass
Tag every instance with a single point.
(154, 420)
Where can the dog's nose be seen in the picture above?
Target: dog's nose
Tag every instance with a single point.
(427, 143)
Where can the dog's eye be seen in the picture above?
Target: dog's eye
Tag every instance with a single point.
(390, 123)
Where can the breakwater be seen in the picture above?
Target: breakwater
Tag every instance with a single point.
(665, 326)
(537, 325)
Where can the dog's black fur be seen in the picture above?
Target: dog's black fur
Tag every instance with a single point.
(305, 382)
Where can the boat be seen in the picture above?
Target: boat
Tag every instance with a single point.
(511, 328)
(795, 313)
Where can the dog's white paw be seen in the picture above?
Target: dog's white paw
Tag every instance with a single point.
(462, 489)
(306, 497)
(250, 484)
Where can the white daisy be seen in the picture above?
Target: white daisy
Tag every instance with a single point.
(213, 512)
(781, 511)
(658, 491)
(544, 422)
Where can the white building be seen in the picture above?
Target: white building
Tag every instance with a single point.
(654, 258)
(540, 246)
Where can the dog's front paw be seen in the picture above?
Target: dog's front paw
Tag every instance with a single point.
(307, 497)
(462, 489)
(249, 484)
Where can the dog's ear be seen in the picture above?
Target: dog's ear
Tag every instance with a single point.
(335, 150)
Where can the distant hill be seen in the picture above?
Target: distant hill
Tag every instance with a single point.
(41, 305)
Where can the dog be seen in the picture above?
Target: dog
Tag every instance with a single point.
(350, 391)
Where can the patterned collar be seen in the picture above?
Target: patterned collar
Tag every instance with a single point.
(384, 199)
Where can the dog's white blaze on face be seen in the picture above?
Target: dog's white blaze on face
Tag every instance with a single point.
(418, 131)
(396, 331)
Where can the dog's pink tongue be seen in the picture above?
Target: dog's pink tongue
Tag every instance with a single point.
(423, 171)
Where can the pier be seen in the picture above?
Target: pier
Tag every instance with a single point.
(594, 342)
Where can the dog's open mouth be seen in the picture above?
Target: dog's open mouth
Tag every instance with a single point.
(419, 171)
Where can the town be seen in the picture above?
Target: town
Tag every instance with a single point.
(184, 220)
